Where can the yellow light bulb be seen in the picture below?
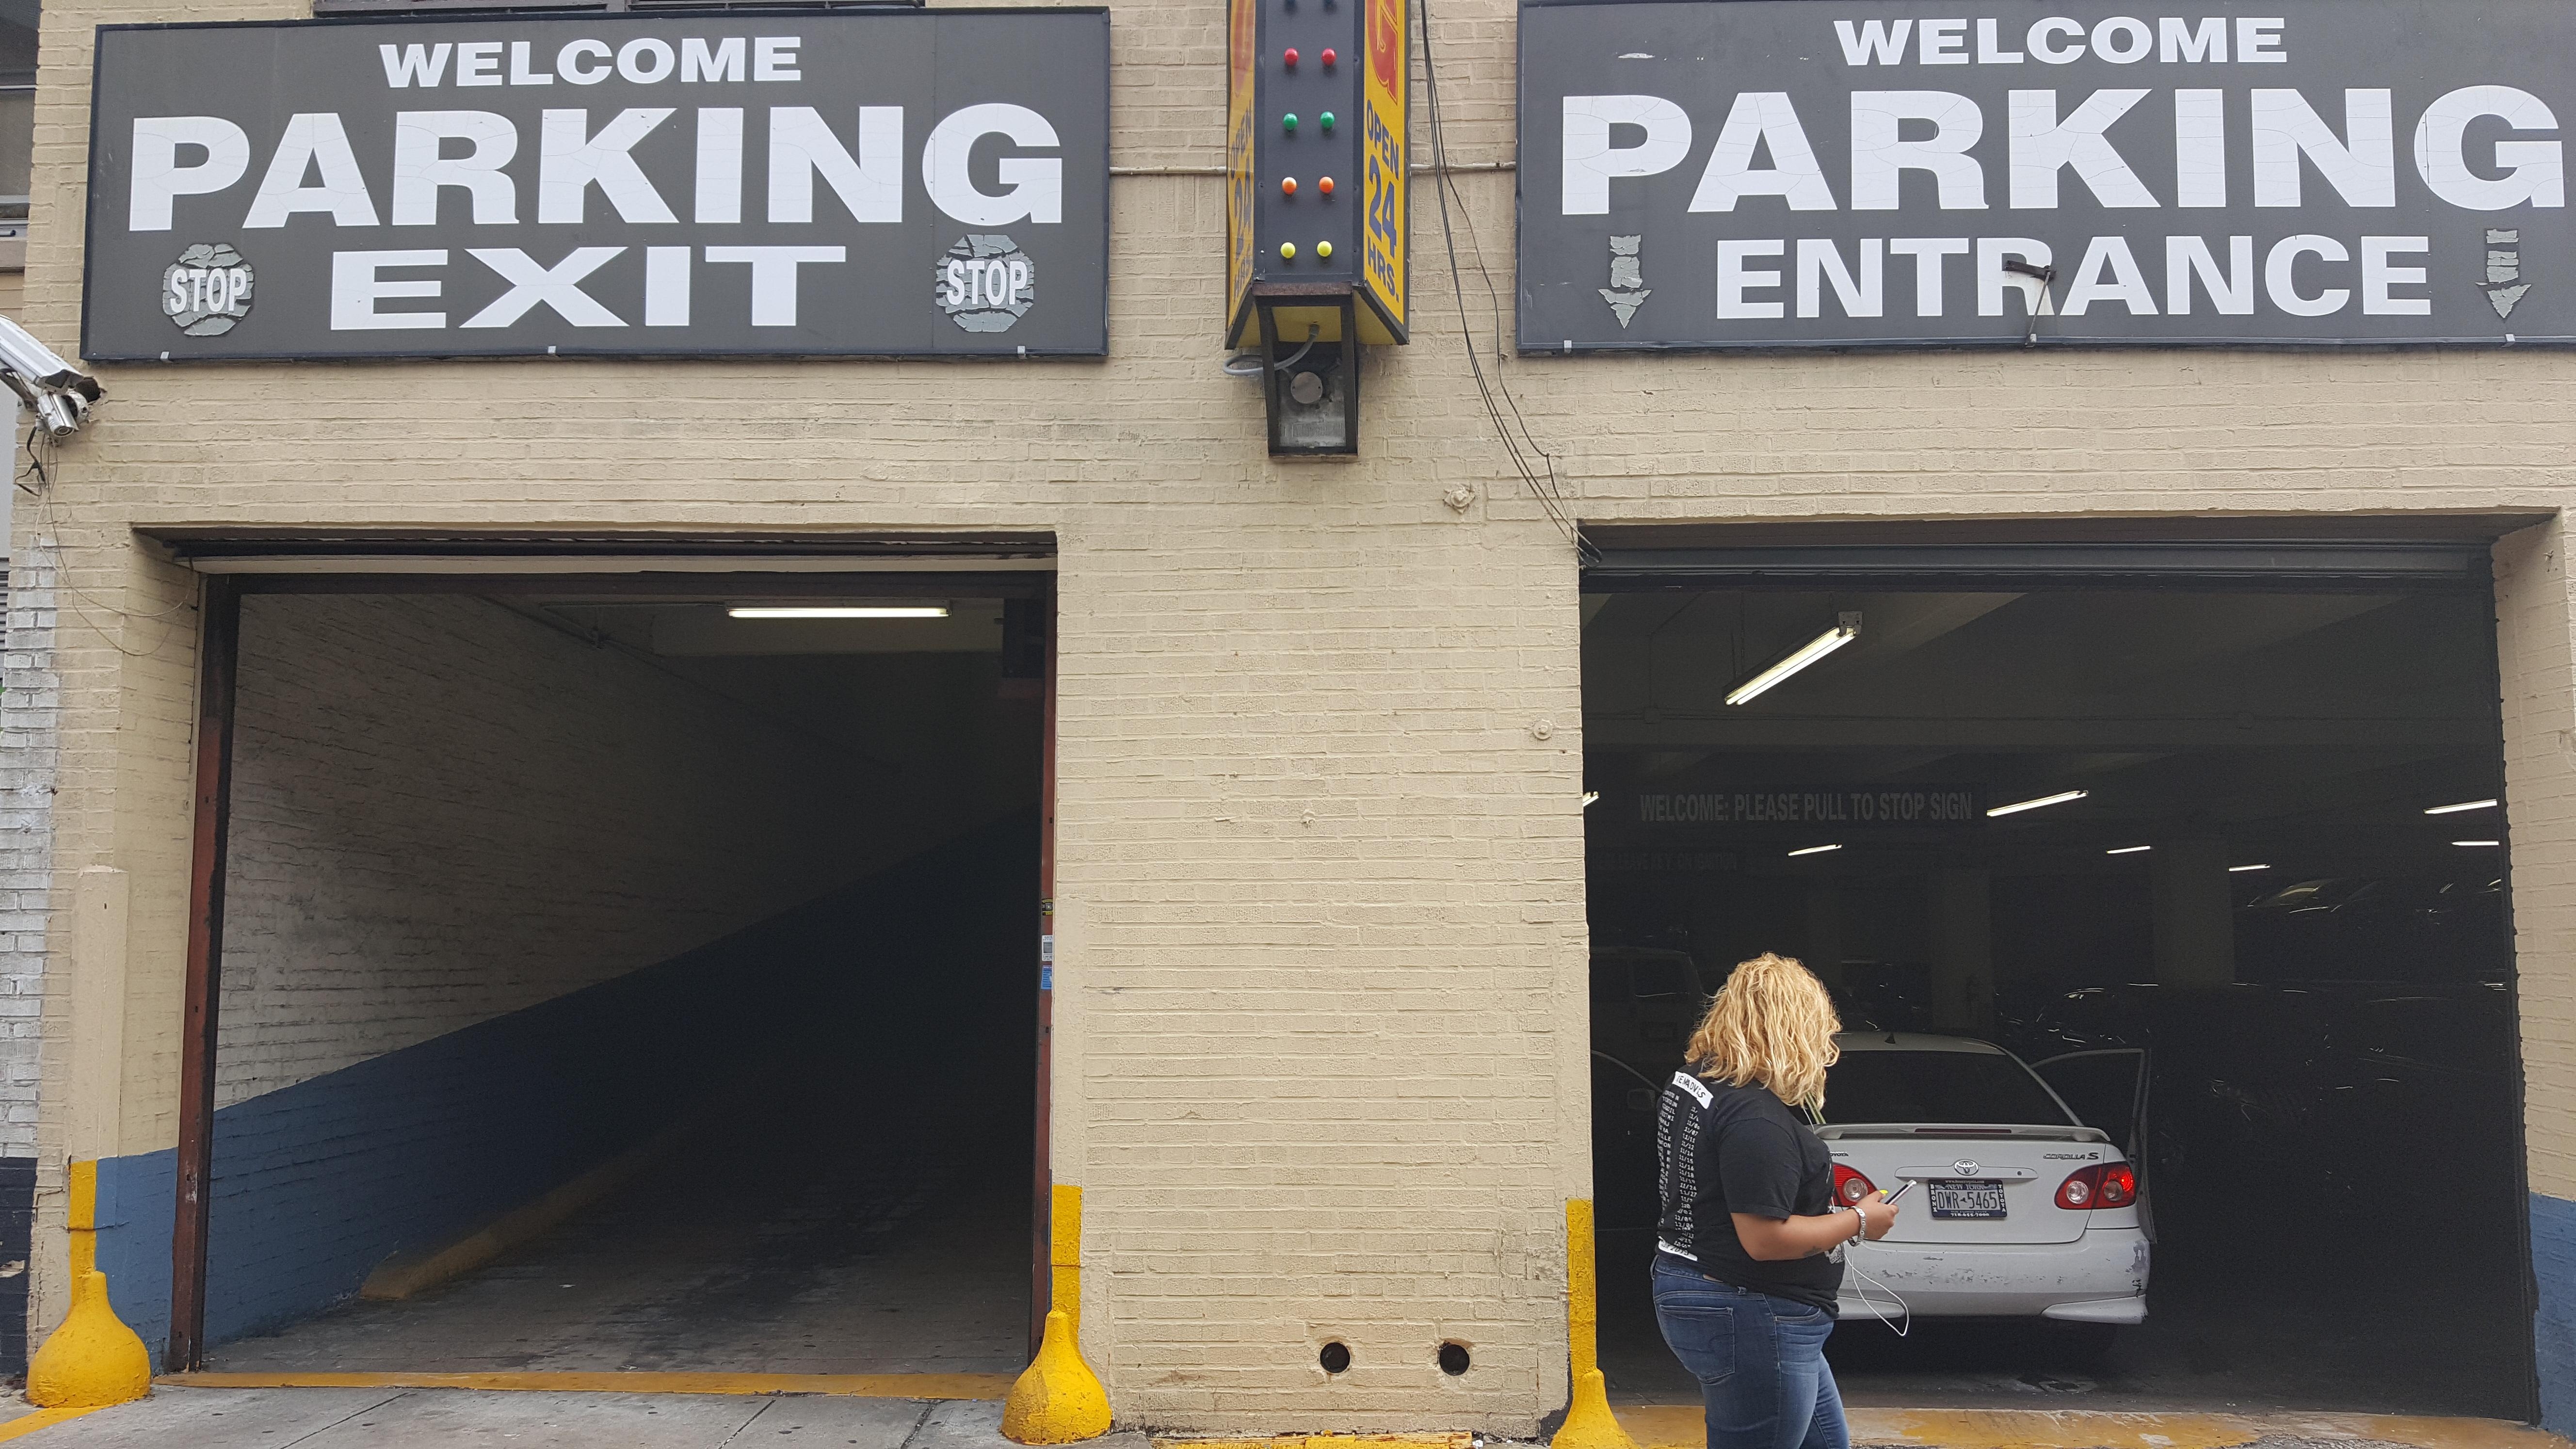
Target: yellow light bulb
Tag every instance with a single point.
(1287, 251)
(1324, 251)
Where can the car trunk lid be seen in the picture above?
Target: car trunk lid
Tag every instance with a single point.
(2011, 1171)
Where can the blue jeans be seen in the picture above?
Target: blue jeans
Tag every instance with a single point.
(1760, 1361)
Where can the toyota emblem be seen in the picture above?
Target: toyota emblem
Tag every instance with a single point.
(1965, 1168)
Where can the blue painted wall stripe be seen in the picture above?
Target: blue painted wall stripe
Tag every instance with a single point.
(2553, 1327)
(317, 1183)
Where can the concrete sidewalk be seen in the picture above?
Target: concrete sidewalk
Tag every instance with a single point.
(418, 1418)
(454, 1418)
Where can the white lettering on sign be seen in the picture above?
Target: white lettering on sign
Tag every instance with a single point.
(158, 177)
(1941, 134)
(1591, 162)
(357, 286)
(313, 168)
(2295, 277)
(422, 165)
(2056, 40)
(645, 60)
(572, 162)
(1032, 187)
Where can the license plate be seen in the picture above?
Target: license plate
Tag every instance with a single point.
(1977, 1198)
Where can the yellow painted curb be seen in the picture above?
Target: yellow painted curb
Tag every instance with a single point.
(1322, 1442)
(26, 1424)
(1684, 1426)
(1058, 1399)
(860, 1386)
(91, 1359)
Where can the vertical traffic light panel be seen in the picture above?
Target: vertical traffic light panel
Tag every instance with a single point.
(1315, 159)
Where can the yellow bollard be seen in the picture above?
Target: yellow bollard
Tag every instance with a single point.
(91, 1360)
(1058, 1399)
(1589, 1423)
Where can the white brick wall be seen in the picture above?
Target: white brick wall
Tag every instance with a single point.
(29, 697)
(444, 811)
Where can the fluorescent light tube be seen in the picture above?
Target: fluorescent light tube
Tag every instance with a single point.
(2463, 805)
(2060, 798)
(2477, 842)
(2127, 849)
(1589, 796)
(840, 611)
(1815, 850)
(2233, 869)
(1844, 631)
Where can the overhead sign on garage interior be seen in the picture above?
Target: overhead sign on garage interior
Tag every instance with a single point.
(1862, 805)
(868, 183)
(1790, 173)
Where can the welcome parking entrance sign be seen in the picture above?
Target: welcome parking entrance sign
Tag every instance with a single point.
(1796, 173)
(871, 183)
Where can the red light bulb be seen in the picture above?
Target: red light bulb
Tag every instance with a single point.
(1290, 57)
(1288, 185)
(1324, 186)
(1329, 59)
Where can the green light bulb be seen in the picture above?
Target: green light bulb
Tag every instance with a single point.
(1288, 122)
(1327, 119)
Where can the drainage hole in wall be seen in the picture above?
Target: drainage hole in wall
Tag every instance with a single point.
(1453, 1359)
(1335, 1357)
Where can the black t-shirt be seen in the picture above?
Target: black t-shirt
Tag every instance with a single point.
(1726, 1150)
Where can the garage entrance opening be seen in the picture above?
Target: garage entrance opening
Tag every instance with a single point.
(626, 976)
(2223, 862)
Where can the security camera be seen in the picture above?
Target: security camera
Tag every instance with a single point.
(59, 393)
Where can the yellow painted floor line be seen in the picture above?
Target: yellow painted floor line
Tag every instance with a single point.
(1681, 1426)
(866, 1386)
(1321, 1441)
(26, 1424)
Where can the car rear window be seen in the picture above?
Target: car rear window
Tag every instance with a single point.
(1960, 1087)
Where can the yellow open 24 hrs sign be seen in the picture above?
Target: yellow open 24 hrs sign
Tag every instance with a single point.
(1382, 186)
(1316, 143)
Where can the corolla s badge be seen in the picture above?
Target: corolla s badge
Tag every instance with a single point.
(1965, 1167)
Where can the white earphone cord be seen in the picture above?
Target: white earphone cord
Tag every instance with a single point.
(1900, 1327)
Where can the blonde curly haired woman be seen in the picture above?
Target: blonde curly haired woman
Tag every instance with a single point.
(1747, 1263)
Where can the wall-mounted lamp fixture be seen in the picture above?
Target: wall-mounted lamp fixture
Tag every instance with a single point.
(1310, 356)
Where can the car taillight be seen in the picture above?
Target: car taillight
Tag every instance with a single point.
(2119, 1186)
(2107, 1185)
(1850, 1187)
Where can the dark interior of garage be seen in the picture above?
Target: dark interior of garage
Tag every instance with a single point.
(2268, 851)
(629, 983)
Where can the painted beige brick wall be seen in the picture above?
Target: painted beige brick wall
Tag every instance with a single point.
(2536, 639)
(1321, 1026)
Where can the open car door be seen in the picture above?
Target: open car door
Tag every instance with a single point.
(2107, 1088)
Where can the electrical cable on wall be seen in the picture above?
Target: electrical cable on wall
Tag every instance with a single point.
(1540, 478)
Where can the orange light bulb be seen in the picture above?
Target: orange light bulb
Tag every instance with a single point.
(1287, 185)
(1324, 186)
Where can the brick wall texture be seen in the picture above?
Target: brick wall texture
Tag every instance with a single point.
(1321, 1034)
(444, 810)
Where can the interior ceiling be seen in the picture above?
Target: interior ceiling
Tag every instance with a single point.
(2284, 719)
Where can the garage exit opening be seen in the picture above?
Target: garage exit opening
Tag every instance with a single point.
(2168, 915)
(626, 974)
